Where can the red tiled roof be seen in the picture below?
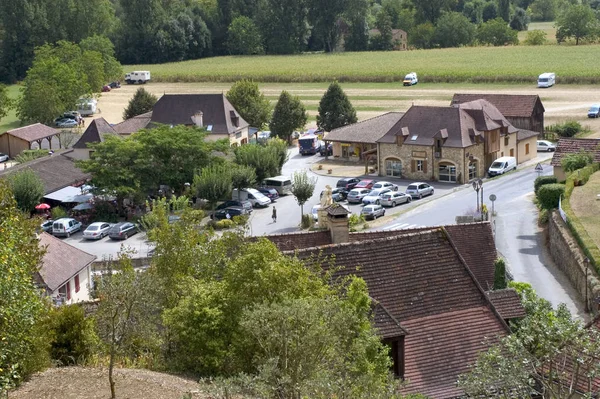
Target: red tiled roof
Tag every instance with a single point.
(510, 105)
(507, 302)
(387, 326)
(573, 146)
(34, 132)
(293, 241)
(134, 124)
(441, 347)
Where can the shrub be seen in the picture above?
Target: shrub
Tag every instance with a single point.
(30, 155)
(58, 212)
(543, 216)
(549, 194)
(542, 180)
(240, 220)
(73, 336)
(499, 274)
(224, 224)
(307, 221)
(535, 37)
(567, 129)
(355, 220)
(573, 162)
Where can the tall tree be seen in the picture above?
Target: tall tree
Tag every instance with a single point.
(112, 68)
(253, 106)
(21, 305)
(28, 189)
(213, 183)
(504, 10)
(578, 22)
(453, 30)
(335, 109)
(141, 102)
(244, 38)
(140, 22)
(264, 160)
(280, 149)
(242, 177)
(324, 17)
(430, 10)
(383, 40)
(284, 24)
(289, 115)
(6, 103)
(519, 20)
(303, 188)
(496, 33)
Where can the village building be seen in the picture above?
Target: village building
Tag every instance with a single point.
(567, 146)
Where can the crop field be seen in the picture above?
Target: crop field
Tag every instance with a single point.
(10, 121)
(510, 64)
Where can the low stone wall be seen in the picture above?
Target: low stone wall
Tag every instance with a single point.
(571, 260)
(138, 263)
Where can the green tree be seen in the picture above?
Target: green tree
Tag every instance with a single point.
(22, 307)
(213, 183)
(499, 274)
(289, 115)
(383, 40)
(244, 38)
(142, 102)
(496, 33)
(280, 148)
(303, 187)
(490, 11)
(536, 37)
(474, 11)
(264, 160)
(578, 22)
(431, 10)
(324, 17)
(422, 36)
(6, 103)
(504, 10)
(242, 177)
(572, 162)
(74, 337)
(454, 30)
(544, 10)
(519, 20)
(252, 105)
(335, 109)
(112, 68)
(284, 25)
(358, 37)
(27, 188)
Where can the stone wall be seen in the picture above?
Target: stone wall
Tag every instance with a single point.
(138, 263)
(571, 260)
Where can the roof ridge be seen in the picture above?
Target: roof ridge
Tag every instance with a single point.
(370, 119)
(24, 127)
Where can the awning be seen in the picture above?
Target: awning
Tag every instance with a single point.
(82, 207)
(69, 194)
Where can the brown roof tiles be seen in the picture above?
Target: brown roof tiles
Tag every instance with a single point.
(507, 302)
(367, 131)
(573, 146)
(34, 132)
(510, 105)
(134, 124)
(94, 133)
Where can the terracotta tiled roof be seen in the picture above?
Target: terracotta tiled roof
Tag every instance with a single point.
(94, 133)
(440, 347)
(524, 134)
(61, 261)
(510, 105)
(293, 241)
(34, 132)
(573, 146)
(486, 115)
(217, 111)
(56, 171)
(507, 302)
(134, 124)
(367, 131)
(387, 326)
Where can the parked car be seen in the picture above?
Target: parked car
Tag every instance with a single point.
(247, 205)
(115, 85)
(594, 111)
(372, 211)
(394, 198)
(419, 190)
(337, 194)
(365, 184)
(545, 145)
(385, 184)
(47, 226)
(72, 115)
(65, 227)
(231, 210)
(270, 193)
(315, 212)
(122, 231)
(374, 197)
(356, 195)
(105, 88)
(96, 231)
(65, 122)
(502, 165)
(347, 183)
(326, 149)
(3, 157)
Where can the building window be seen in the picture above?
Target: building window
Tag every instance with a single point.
(526, 149)
(447, 172)
(506, 140)
(68, 288)
(420, 166)
(393, 167)
(501, 154)
(512, 152)
(77, 287)
(472, 170)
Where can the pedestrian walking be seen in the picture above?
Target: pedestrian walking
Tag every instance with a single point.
(274, 215)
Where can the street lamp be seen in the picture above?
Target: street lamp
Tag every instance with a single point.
(478, 185)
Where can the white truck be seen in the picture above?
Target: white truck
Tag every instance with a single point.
(87, 106)
(255, 197)
(140, 77)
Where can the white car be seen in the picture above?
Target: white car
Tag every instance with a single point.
(374, 197)
(3, 157)
(545, 145)
(96, 231)
(385, 184)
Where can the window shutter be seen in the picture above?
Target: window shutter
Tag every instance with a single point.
(424, 166)
(413, 165)
(68, 290)
(77, 287)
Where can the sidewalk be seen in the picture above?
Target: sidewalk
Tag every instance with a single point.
(339, 168)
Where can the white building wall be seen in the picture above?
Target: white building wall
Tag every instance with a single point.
(85, 285)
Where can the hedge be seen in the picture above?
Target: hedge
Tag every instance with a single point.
(549, 194)
(542, 180)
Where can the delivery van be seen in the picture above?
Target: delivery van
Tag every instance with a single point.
(410, 79)
(282, 184)
(502, 165)
(546, 79)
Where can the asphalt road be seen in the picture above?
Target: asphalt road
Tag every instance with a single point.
(518, 237)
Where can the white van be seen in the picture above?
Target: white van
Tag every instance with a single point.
(546, 79)
(282, 184)
(410, 79)
(502, 165)
(255, 197)
(65, 227)
(87, 106)
(140, 77)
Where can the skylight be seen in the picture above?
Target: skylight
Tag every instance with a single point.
(414, 138)
(209, 128)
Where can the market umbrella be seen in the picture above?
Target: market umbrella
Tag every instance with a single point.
(42, 206)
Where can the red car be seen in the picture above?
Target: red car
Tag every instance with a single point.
(105, 88)
(365, 184)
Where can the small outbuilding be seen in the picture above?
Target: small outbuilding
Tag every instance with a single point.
(566, 146)
(32, 137)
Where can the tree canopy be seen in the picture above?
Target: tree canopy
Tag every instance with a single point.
(335, 109)
(578, 22)
(289, 115)
(27, 188)
(253, 106)
(141, 102)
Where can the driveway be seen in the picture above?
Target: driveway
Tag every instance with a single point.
(109, 249)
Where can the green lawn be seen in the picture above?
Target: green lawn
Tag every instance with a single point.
(586, 206)
(10, 121)
(470, 64)
(547, 27)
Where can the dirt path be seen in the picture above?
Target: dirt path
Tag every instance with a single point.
(561, 102)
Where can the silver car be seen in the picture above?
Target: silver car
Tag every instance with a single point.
(372, 211)
(356, 195)
(545, 145)
(374, 196)
(96, 231)
(419, 190)
(394, 198)
(385, 184)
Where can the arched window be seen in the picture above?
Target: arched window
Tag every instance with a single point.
(447, 172)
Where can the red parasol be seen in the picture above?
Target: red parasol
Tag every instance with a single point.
(42, 206)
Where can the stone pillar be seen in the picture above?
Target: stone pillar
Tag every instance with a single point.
(339, 229)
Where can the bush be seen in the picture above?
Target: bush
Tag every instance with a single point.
(73, 336)
(58, 212)
(307, 221)
(224, 224)
(535, 37)
(355, 220)
(30, 155)
(543, 216)
(499, 274)
(549, 194)
(542, 180)
(240, 220)
(567, 129)
(573, 162)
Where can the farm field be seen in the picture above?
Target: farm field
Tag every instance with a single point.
(547, 27)
(586, 206)
(562, 102)
(511, 64)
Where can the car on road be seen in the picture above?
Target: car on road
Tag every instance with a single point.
(65, 227)
(65, 122)
(3, 157)
(394, 198)
(356, 195)
(231, 210)
(247, 205)
(385, 184)
(347, 183)
(419, 190)
(96, 231)
(326, 149)
(270, 193)
(374, 197)
(47, 226)
(365, 184)
(337, 194)
(545, 145)
(594, 111)
(372, 211)
(315, 212)
(122, 231)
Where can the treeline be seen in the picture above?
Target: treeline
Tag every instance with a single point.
(158, 31)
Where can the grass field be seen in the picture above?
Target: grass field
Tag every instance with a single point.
(10, 121)
(547, 27)
(572, 64)
(587, 207)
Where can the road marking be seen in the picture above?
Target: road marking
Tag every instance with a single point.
(402, 226)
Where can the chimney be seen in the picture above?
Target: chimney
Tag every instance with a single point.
(337, 221)
(198, 118)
